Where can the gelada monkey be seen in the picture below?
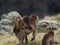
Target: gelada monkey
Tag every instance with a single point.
(48, 39)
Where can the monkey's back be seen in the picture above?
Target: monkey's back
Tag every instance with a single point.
(44, 40)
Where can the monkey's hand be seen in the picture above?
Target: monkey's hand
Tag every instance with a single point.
(55, 42)
(32, 39)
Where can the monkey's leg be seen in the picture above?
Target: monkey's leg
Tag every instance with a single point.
(34, 34)
(21, 36)
(26, 39)
(21, 41)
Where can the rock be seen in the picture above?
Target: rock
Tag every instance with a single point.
(12, 14)
(7, 28)
(49, 25)
(4, 16)
(6, 21)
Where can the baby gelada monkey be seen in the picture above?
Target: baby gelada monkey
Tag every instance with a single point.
(48, 39)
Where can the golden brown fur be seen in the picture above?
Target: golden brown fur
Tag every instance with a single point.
(31, 24)
(48, 38)
(19, 29)
(23, 27)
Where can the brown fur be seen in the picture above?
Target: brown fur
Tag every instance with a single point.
(48, 38)
(20, 29)
(31, 24)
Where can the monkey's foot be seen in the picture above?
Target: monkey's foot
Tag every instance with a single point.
(32, 39)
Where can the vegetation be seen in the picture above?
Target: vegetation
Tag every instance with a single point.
(56, 18)
(10, 39)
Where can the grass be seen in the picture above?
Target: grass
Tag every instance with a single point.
(9, 39)
(55, 17)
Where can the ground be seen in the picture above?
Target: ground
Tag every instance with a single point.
(10, 39)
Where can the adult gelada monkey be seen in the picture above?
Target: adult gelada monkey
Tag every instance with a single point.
(19, 30)
(30, 22)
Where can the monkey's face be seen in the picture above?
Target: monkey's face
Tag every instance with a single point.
(33, 19)
(18, 21)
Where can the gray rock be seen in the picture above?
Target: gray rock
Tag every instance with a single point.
(12, 14)
(49, 25)
(4, 16)
(6, 21)
(7, 28)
